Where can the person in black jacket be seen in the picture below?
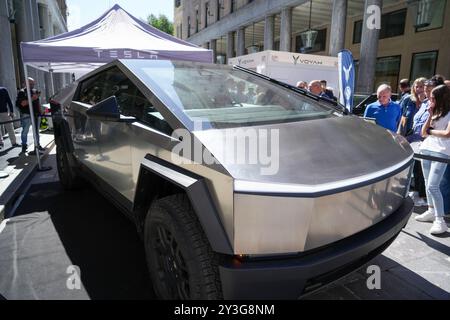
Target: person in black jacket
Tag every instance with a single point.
(22, 105)
(6, 114)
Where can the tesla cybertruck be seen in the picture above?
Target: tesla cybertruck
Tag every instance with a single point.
(241, 187)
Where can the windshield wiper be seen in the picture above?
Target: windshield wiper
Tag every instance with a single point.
(304, 92)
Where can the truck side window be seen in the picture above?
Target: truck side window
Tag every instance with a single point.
(131, 101)
(91, 90)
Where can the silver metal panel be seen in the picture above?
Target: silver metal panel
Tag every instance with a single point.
(316, 152)
(105, 148)
(264, 187)
(220, 185)
(338, 216)
(280, 225)
(269, 225)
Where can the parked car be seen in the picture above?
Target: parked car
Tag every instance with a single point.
(361, 101)
(225, 228)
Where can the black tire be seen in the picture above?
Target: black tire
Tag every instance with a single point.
(67, 175)
(181, 263)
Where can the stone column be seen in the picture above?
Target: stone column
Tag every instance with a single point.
(240, 42)
(230, 45)
(213, 47)
(27, 27)
(338, 26)
(269, 32)
(7, 71)
(369, 47)
(286, 29)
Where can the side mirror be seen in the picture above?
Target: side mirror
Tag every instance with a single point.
(108, 110)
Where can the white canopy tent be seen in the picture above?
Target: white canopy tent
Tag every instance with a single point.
(115, 35)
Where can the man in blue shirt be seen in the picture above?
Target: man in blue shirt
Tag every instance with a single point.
(386, 113)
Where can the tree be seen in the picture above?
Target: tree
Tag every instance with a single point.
(162, 23)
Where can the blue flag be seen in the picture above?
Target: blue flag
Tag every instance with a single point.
(346, 79)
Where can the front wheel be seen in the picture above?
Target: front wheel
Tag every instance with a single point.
(180, 260)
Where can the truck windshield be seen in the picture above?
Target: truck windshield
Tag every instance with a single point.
(221, 97)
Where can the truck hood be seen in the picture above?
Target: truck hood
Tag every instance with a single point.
(309, 154)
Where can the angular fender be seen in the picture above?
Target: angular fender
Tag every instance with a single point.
(153, 170)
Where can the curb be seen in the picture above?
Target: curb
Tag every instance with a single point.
(14, 192)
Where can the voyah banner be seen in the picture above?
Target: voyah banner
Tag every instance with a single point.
(346, 78)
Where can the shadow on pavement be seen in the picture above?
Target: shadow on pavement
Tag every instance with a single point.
(435, 245)
(96, 237)
(397, 283)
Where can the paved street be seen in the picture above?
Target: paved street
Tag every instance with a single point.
(415, 266)
(91, 233)
(73, 228)
(8, 154)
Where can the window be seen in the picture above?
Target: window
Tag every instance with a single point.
(276, 45)
(206, 14)
(387, 71)
(233, 6)
(431, 14)
(132, 102)
(357, 31)
(423, 64)
(392, 25)
(197, 21)
(218, 8)
(177, 3)
(221, 97)
(188, 27)
(319, 45)
(92, 89)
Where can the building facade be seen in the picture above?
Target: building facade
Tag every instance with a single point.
(412, 41)
(29, 20)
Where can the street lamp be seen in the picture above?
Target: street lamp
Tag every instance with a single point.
(309, 36)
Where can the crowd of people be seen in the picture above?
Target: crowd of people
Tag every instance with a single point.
(422, 115)
(7, 114)
(236, 92)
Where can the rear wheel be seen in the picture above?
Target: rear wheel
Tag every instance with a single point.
(67, 175)
(179, 257)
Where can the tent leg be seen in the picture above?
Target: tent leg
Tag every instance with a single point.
(52, 82)
(33, 123)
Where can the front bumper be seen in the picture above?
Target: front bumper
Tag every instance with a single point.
(290, 278)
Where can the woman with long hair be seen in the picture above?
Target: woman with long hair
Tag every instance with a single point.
(436, 130)
(410, 127)
(410, 105)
